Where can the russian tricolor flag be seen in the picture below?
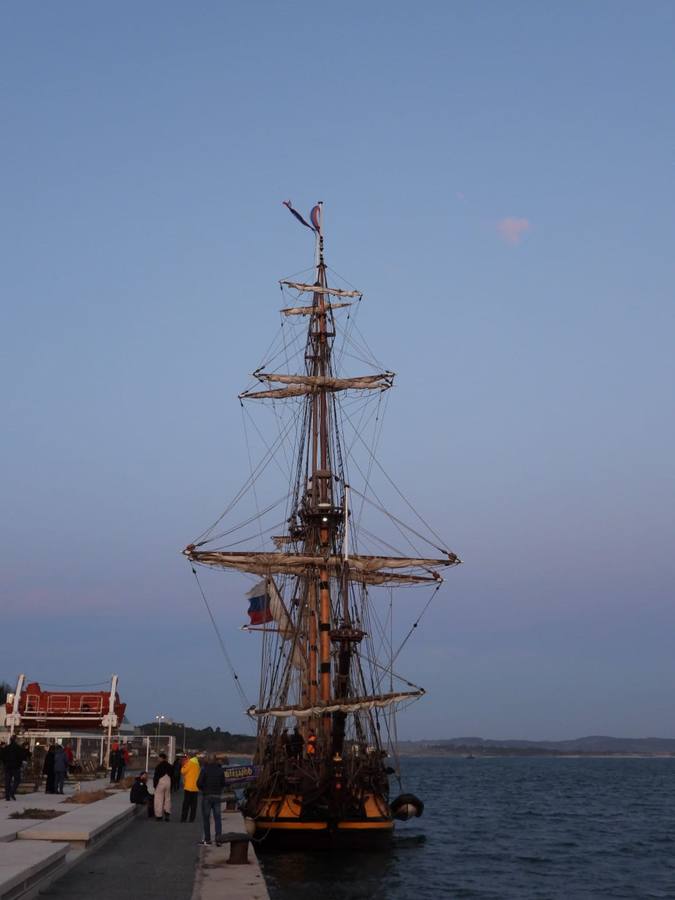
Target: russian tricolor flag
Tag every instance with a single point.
(259, 604)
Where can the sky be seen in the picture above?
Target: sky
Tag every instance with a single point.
(498, 180)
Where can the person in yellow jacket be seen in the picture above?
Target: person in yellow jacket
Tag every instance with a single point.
(190, 772)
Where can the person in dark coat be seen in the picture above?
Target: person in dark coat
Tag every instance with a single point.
(123, 762)
(295, 744)
(60, 768)
(116, 763)
(211, 783)
(175, 775)
(12, 758)
(48, 770)
(140, 795)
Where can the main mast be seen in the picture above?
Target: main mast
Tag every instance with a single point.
(320, 512)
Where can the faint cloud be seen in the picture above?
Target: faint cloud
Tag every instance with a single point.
(512, 229)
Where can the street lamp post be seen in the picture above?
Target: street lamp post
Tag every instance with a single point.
(159, 720)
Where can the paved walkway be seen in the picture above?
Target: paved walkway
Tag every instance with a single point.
(148, 860)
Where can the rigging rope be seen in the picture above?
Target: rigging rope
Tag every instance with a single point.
(221, 641)
(399, 521)
(262, 465)
(415, 624)
(396, 488)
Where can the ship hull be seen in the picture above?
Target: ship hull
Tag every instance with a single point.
(271, 836)
(282, 823)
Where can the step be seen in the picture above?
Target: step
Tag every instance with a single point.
(85, 825)
(24, 866)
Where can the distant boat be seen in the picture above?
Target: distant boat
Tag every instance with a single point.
(324, 666)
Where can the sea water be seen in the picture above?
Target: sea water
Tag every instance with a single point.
(509, 828)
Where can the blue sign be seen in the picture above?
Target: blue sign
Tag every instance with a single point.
(234, 774)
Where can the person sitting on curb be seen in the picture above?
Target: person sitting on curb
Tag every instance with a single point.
(211, 783)
(140, 795)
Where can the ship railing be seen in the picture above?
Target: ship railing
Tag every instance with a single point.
(63, 704)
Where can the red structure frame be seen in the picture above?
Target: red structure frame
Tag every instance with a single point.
(64, 709)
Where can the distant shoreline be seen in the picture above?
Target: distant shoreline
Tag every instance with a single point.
(477, 753)
(598, 745)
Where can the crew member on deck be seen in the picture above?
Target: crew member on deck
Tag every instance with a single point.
(295, 744)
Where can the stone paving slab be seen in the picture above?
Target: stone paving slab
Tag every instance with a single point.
(24, 865)
(82, 825)
(146, 860)
(42, 800)
(216, 879)
(9, 828)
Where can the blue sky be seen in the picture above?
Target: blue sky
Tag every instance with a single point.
(498, 179)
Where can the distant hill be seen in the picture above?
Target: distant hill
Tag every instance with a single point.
(590, 746)
(208, 739)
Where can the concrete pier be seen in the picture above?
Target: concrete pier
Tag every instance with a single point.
(35, 852)
(215, 879)
(127, 854)
(25, 868)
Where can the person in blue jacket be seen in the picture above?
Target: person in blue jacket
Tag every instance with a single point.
(211, 783)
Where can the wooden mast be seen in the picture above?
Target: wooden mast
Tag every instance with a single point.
(322, 480)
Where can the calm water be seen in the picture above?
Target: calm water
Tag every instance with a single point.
(502, 828)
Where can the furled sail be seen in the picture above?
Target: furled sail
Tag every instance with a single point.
(348, 705)
(308, 310)
(317, 289)
(300, 385)
(364, 569)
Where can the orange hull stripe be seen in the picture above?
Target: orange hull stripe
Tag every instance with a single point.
(322, 826)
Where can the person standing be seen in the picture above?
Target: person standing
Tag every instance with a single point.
(124, 762)
(161, 779)
(68, 750)
(211, 783)
(12, 758)
(295, 744)
(114, 762)
(60, 768)
(48, 770)
(175, 775)
(190, 772)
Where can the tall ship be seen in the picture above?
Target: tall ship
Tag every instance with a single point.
(323, 602)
